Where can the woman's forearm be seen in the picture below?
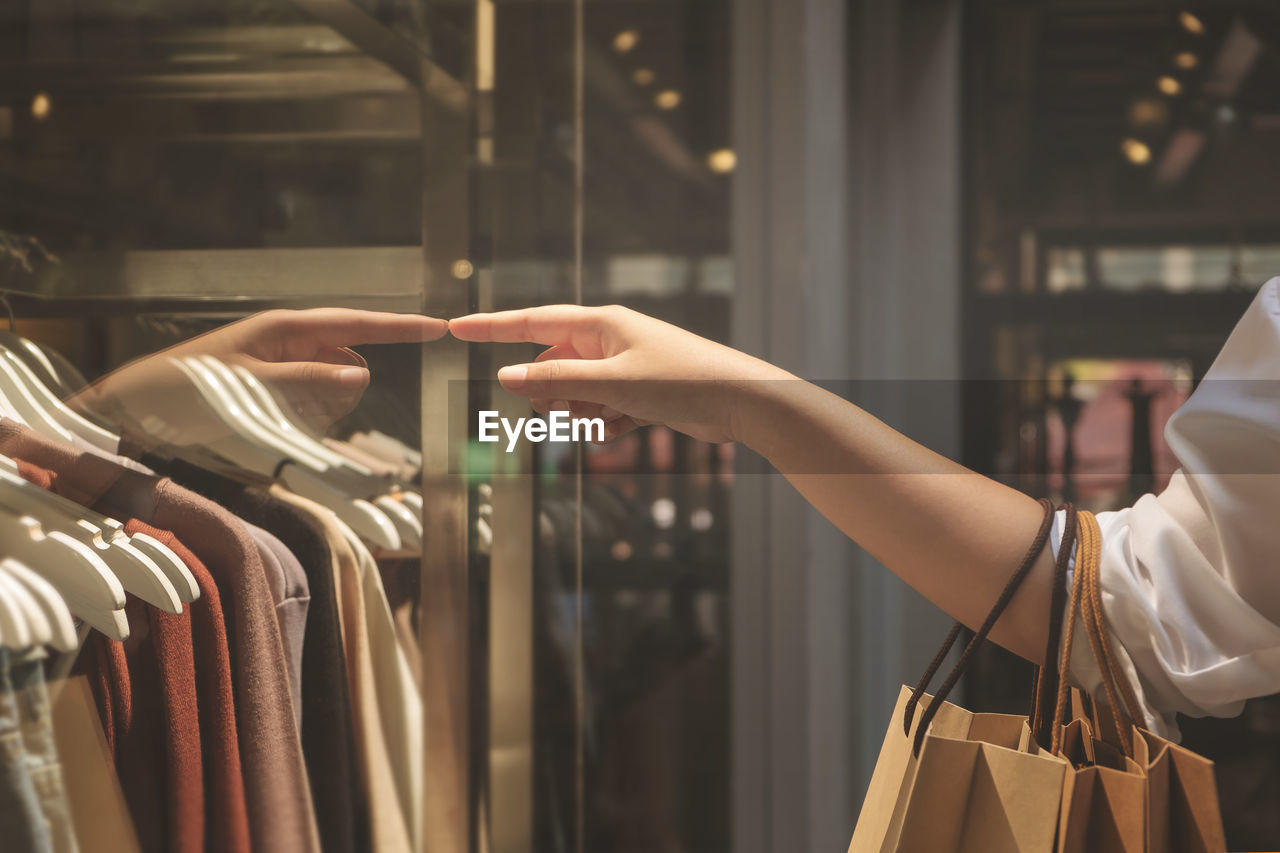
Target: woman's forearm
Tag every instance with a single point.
(952, 534)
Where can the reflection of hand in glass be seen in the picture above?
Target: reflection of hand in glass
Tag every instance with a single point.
(302, 356)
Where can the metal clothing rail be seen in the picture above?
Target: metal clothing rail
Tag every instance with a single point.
(220, 280)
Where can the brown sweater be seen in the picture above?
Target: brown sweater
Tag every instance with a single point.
(209, 718)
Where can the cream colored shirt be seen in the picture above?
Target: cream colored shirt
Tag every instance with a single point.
(382, 753)
(1191, 578)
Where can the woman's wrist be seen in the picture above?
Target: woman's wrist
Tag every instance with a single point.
(758, 404)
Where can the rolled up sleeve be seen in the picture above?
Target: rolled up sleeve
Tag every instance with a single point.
(1190, 578)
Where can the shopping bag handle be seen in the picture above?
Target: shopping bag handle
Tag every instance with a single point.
(966, 657)
(1050, 675)
(1086, 600)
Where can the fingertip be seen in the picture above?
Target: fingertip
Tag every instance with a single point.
(431, 328)
(513, 376)
(466, 328)
(351, 377)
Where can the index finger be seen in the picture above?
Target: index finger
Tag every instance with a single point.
(545, 324)
(350, 326)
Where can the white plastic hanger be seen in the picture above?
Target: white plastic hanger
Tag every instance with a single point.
(247, 418)
(169, 563)
(62, 627)
(59, 411)
(356, 482)
(17, 382)
(75, 570)
(256, 449)
(144, 578)
(8, 411)
(164, 560)
(407, 525)
(39, 631)
(276, 418)
(413, 500)
(350, 474)
(32, 414)
(17, 342)
(349, 478)
(14, 633)
(385, 447)
(137, 572)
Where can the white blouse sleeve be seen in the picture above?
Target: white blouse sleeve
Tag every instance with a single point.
(1191, 578)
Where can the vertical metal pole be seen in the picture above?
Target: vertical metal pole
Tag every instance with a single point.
(579, 664)
(446, 597)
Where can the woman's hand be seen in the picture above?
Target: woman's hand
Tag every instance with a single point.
(629, 369)
(302, 355)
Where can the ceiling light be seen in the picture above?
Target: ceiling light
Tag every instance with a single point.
(722, 161)
(667, 99)
(1169, 85)
(41, 106)
(642, 76)
(1191, 23)
(1138, 153)
(1186, 60)
(625, 40)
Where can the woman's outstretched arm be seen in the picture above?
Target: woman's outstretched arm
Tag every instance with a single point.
(952, 534)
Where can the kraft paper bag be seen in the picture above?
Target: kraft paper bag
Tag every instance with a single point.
(982, 783)
(1162, 799)
(1104, 798)
(1182, 794)
(975, 788)
(895, 772)
(1135, 772)
(975, 782)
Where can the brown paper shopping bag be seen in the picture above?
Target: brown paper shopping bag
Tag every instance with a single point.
(1105, 788)
(1128, 789)
(1078, 778)
(1183, 810)
(974, 787)
(985, 792)
(953, 780)
(1103, 799)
